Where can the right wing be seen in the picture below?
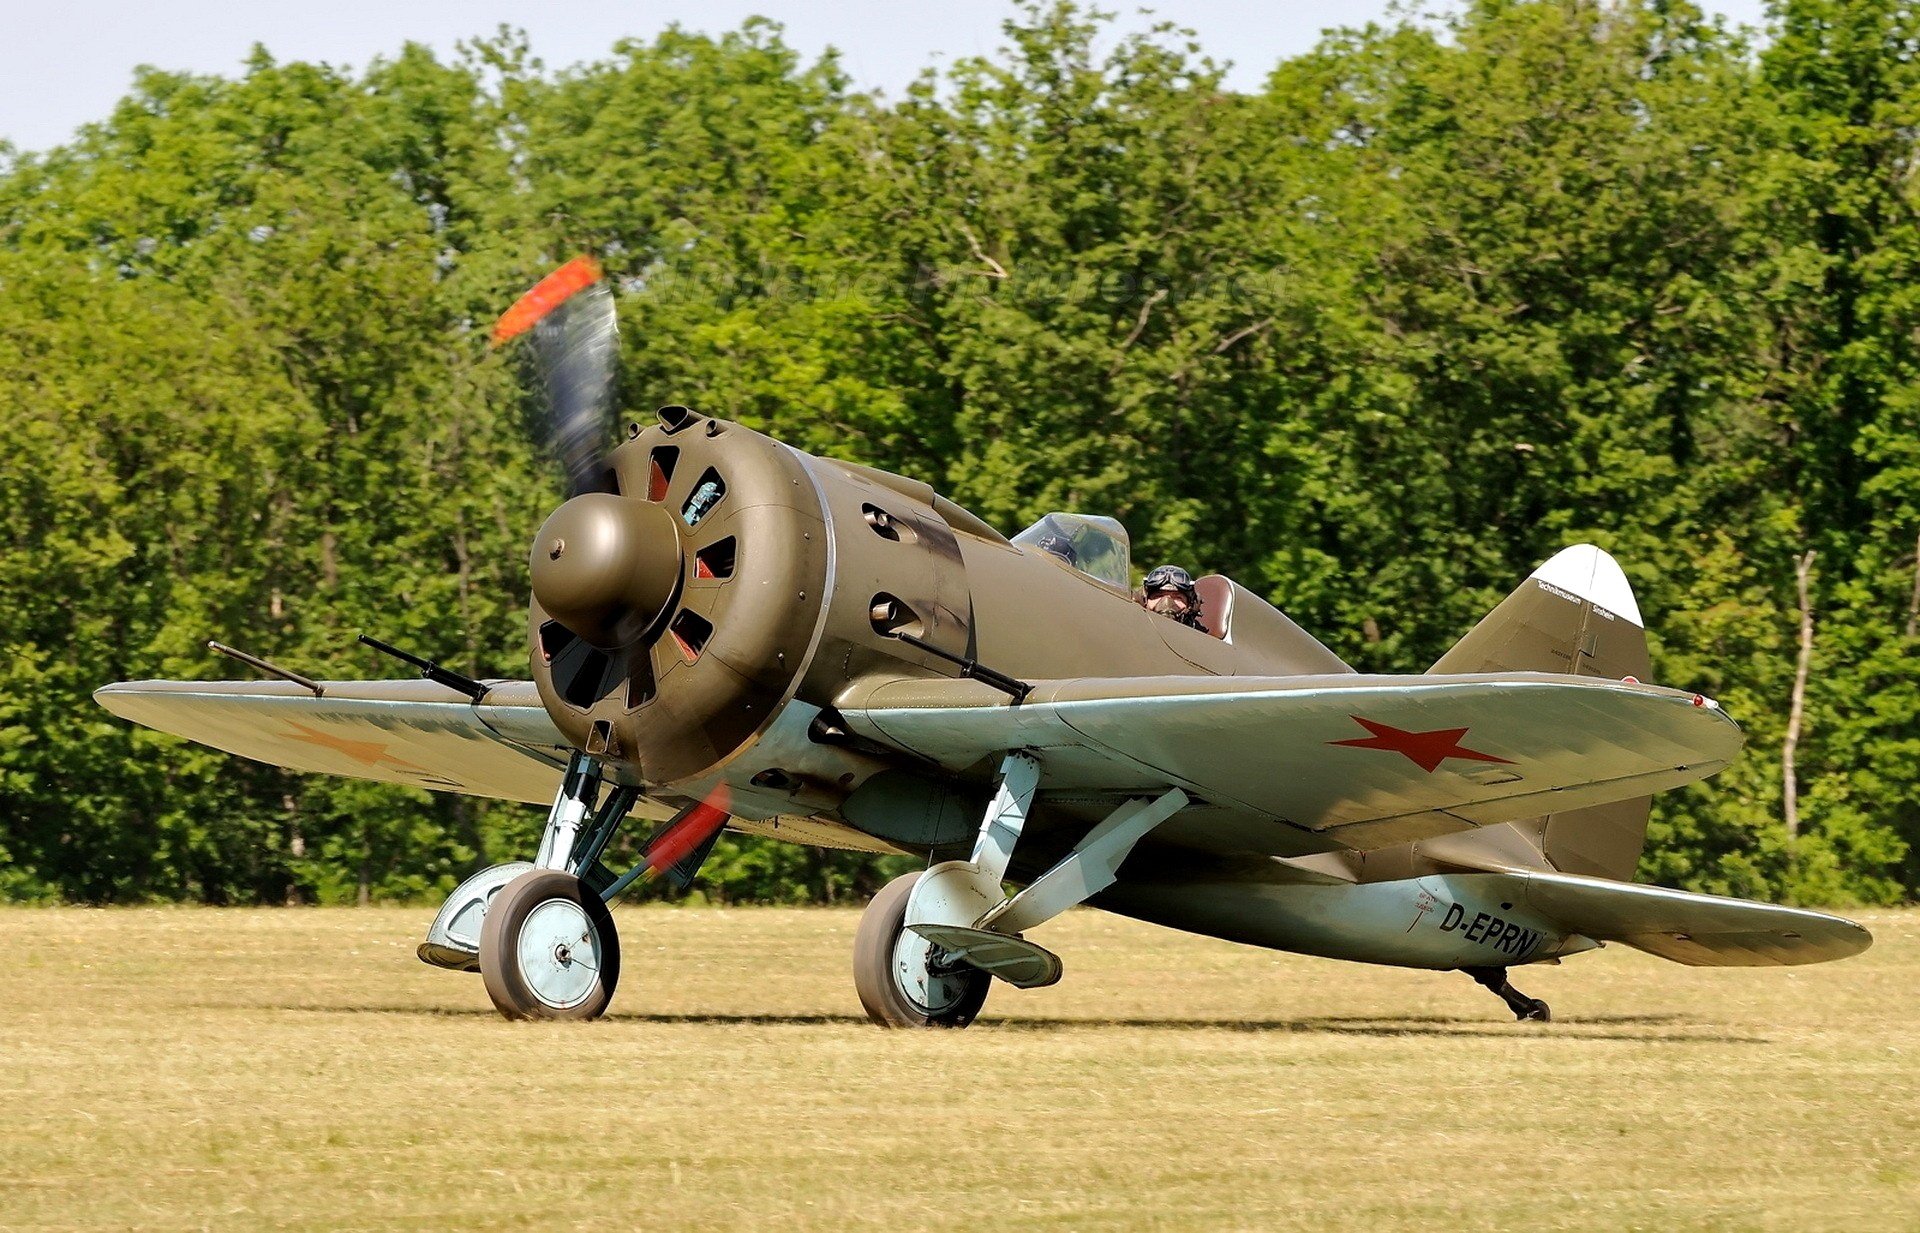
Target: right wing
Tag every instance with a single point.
(1360, 762)
(409, 732)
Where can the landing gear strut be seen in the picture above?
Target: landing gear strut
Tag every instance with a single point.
(929, 942)
(1522, 1006)
(548, 948)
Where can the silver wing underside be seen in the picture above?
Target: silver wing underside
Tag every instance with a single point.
(422, 735)
(407, 732)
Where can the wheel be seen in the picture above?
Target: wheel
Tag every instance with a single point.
(890, 970)
(1536, 1012)
(548, 949)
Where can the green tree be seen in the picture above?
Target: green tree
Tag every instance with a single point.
(1442, 297)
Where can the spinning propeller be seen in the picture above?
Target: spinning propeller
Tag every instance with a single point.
(607, 568)
(680, 846)
(576, 337)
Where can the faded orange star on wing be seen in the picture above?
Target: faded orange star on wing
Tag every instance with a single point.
(367, 753)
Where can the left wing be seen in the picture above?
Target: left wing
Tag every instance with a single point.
(1363, 761)
(408, 732)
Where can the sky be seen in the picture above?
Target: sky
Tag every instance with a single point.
(64, 64)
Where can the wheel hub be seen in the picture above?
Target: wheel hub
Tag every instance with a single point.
(930, 986)
(559, 954)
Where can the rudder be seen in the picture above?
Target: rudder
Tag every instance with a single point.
(1576, 615)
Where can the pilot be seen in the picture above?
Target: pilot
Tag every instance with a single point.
(1060, 546)
(1169, 591)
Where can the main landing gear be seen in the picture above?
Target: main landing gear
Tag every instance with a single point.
(1523, 1007)
(540, 932)
(901, 982)
(547, 946)
(930, 943)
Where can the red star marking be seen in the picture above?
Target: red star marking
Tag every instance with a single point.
(367, 753)
(1426, 749)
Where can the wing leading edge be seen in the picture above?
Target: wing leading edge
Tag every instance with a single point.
(1363, 761)
(407, 732)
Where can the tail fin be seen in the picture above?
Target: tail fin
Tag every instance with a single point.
(1576, 615)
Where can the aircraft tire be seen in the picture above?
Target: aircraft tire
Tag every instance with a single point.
(549, 949)
(878, 963)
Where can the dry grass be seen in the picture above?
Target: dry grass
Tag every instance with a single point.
(237, 1069)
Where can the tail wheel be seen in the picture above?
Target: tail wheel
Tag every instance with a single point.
(548, 949)
(891, 972)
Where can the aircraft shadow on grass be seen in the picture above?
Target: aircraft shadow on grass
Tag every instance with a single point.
(1670, 1028)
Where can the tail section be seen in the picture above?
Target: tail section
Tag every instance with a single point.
(1576, 614)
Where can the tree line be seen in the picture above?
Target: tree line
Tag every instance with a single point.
(1443, 296)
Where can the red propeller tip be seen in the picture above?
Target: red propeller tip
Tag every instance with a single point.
(547, 294)
(690, 832)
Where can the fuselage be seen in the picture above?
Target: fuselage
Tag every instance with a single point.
(796, 576)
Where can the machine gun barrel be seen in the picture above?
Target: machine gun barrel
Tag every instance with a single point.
(430, 670)
(973, 669)
(271, 669)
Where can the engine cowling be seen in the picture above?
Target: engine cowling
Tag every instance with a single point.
(671, 617)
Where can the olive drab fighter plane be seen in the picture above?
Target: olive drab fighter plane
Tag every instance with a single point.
(728, 632)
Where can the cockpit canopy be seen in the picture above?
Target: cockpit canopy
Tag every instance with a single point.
(1095, 546)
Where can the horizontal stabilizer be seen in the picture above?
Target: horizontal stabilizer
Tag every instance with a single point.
(1698, 930)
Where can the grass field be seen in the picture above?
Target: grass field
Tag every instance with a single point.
(182, 1068)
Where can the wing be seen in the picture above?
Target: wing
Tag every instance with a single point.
(1699, 930)
(1356, 761)
(409, 732)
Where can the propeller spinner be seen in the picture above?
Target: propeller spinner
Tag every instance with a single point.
(608, 567)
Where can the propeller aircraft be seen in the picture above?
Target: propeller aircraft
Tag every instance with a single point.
(725, 631)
